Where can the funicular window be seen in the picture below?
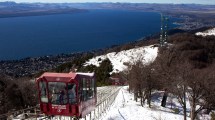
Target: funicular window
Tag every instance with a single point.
(80, 90)
(43, 91)
(90, 91)
(84, 89)
(72, 93)
(57, 93)
(93, 87)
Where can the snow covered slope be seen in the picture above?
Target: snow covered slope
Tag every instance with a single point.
(207, 33)
(145, 54)
(125, 108)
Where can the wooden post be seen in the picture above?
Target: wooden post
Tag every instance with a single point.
(94, 114)
(35, 112)
(103, 105)
(98, 112)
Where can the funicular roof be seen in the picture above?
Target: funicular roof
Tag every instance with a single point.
(86, 74)
(63, 77)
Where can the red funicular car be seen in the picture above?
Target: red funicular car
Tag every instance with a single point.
(67, 94)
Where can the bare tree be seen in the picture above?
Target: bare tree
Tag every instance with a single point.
(29, 91)
(195, 92)
(174, 70)
(16, 95)
(207, 79)
(144, 81)
(180, 86)
(199, 90)
(150, 82)
(165, 69)
(135, 79)
(184, 80)
(5, 81)
(126, 76)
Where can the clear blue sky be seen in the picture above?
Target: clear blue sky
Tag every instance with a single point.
(131, 1)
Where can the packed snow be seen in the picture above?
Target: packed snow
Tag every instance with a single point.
(125, 108)
(207, 33)
(145, 54)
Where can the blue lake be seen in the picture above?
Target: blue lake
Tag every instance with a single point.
(33, 36)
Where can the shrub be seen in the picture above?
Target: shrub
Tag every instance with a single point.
(212, 116)
(176, 110)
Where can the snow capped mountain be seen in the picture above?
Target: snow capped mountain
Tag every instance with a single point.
(145, 54)
(207, 32)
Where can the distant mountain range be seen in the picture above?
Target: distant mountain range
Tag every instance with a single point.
(193, 16)
(12, 9)
(17, 8)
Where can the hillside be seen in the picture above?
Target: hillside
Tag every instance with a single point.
(146, 54)
(194, 48)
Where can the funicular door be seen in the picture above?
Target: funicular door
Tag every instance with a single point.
(73, 98)
(58, 98)
(43, 95)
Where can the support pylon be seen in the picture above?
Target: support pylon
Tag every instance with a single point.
(164, 30)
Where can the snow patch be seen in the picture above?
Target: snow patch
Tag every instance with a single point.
(206, 33)
(145, 54)
(87, 74)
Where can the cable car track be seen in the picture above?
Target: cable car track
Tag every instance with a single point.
(121, 115)
(104, 93)
(123, 105)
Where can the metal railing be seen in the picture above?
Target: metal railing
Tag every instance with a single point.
(30, 111)
(104, 104)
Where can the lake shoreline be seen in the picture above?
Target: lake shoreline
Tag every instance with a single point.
(32, 66)
(69, 33)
